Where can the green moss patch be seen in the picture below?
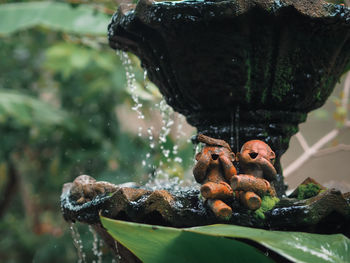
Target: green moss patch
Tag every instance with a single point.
(306, 191)
(267, 203)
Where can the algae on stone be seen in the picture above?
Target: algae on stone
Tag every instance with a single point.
(306, 191)
(267, 203)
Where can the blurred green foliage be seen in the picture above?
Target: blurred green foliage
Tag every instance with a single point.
(58, 98)
(81, 19)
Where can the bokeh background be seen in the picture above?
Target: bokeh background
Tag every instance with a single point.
(67, 107)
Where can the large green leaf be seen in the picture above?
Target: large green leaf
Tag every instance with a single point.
(215, 244)
(165, 244)
(82, 19)
(27, 111)
(296, 246)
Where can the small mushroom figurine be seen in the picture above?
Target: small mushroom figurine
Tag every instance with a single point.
(256, 161)
(214, 170)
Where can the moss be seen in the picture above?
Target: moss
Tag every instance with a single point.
(306, 191)
(267, 203)
(285, 75)
(227, 218)
(248, 83)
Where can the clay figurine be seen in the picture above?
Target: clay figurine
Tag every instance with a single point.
(256, 161)
(214, 170)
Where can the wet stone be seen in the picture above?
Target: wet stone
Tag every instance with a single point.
(327, 212)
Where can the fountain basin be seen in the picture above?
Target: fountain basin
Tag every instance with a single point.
(259, 65)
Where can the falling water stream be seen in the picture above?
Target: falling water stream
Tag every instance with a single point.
(158, 174)
(96, 246)
(159, 178)
(131, 86)
(78, 243)
(179, 134)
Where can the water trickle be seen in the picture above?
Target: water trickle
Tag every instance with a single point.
(179, 133)
(96, 246)
(131, 86)
(232, 138)
(166, 113)
(78, 243)
(168, 154)
(118, 257)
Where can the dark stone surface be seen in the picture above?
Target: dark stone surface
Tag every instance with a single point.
(239, 70)
(328, 212)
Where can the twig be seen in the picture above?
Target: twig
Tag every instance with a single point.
(302, 141)
(339, 147)
(310, 152)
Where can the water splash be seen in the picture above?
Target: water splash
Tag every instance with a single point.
(96, 246)
(78, 243)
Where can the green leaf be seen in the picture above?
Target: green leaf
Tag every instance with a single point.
(165, 244)
(296, 246)
(215, 243)
(27, 110)
(82, 19)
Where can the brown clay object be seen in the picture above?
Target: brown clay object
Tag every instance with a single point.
(256, 160)
(251, 200)
(218, 191)
(214, 170)
(220, 209)
(215, 160)
(213, 142)
(85, 188)
(250, 183)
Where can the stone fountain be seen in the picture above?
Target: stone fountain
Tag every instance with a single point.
(238, 70)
